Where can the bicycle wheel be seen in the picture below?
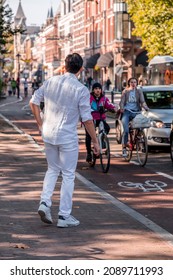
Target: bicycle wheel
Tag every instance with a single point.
(118, 131)
(141, 148)
(104, 153)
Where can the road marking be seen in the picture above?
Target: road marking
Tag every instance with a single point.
(165, 235)
(5, 104)
(149, 185)
(129, 211)
(165, 175)
(22, 133)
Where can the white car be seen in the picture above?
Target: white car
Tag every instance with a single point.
(159, 99)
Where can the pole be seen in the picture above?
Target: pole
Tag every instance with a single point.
(18, 76)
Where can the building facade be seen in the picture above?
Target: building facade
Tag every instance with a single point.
(99, 30)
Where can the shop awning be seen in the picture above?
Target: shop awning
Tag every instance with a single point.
(91, 61)
(105, 59)
(158, 59)
(142, 59)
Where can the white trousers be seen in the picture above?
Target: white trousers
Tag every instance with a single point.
(60, 158)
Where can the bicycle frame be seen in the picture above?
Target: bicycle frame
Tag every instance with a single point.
(104, 148)
(138, 142)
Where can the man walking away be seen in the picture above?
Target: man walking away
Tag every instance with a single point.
(66, 100)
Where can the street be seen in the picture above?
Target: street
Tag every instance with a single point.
(144, 193)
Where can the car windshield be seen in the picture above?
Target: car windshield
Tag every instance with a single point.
(159, 99)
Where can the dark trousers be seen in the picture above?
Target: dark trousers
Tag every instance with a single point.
(88, 137)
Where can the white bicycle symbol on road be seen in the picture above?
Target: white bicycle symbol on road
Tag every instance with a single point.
(149, 185)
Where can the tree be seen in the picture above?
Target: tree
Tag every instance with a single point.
(7, 29)
(153, 20)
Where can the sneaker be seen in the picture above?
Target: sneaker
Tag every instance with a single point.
(67, 222)
(124, 152)
(89, 157)
(45, 213)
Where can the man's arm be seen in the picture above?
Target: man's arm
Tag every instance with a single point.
(89, 125)
(36, 112)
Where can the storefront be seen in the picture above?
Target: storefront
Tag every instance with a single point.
(161, 70)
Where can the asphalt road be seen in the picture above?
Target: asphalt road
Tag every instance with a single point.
(150, 191)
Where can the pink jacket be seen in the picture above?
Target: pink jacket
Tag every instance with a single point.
(103, 101)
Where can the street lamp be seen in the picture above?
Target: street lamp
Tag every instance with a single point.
(18, 75)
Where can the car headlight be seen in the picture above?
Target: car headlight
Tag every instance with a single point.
(157, 124)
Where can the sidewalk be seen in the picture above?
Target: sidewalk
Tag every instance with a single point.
(105, 232)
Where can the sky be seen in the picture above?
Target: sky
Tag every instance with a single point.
(34, 10)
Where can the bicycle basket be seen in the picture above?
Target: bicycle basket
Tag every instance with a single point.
(140, 121)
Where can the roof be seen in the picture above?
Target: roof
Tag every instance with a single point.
(33, 29)
(156, 88)
(161, 59)
(20, 12)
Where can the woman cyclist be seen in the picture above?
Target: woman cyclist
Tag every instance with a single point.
(132, 101)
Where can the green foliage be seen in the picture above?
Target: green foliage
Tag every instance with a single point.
(153, 20)
(1, 86)
(6, 27)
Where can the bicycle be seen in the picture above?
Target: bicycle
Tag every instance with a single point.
(104, 148)
(137, 141)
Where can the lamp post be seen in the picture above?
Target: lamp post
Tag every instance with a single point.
(122, 36)
(18, 74)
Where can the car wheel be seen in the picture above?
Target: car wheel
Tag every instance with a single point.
(118, 131)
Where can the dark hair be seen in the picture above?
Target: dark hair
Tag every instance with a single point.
(73, 63)
(96, 85)
(132, 79)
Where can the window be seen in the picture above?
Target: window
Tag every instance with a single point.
(159, 99)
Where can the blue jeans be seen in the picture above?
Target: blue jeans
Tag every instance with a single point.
(126, 118)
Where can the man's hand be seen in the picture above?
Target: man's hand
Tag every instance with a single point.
(96, 149)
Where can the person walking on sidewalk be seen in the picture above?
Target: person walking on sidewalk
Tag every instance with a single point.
(108, 83)
(14, 86)
(66, 100)
(25, 85)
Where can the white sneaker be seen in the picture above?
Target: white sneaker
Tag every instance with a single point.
(67, 222)
(45, 213)
(124, 152)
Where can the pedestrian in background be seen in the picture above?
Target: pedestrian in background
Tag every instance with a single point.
(35, 85)
(108, 83)
(66, 100)
(13, 86)
(18, 86)
(89, 82)
(9, 87)
(25, 85)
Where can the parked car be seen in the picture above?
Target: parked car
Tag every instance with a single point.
(159, 99)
